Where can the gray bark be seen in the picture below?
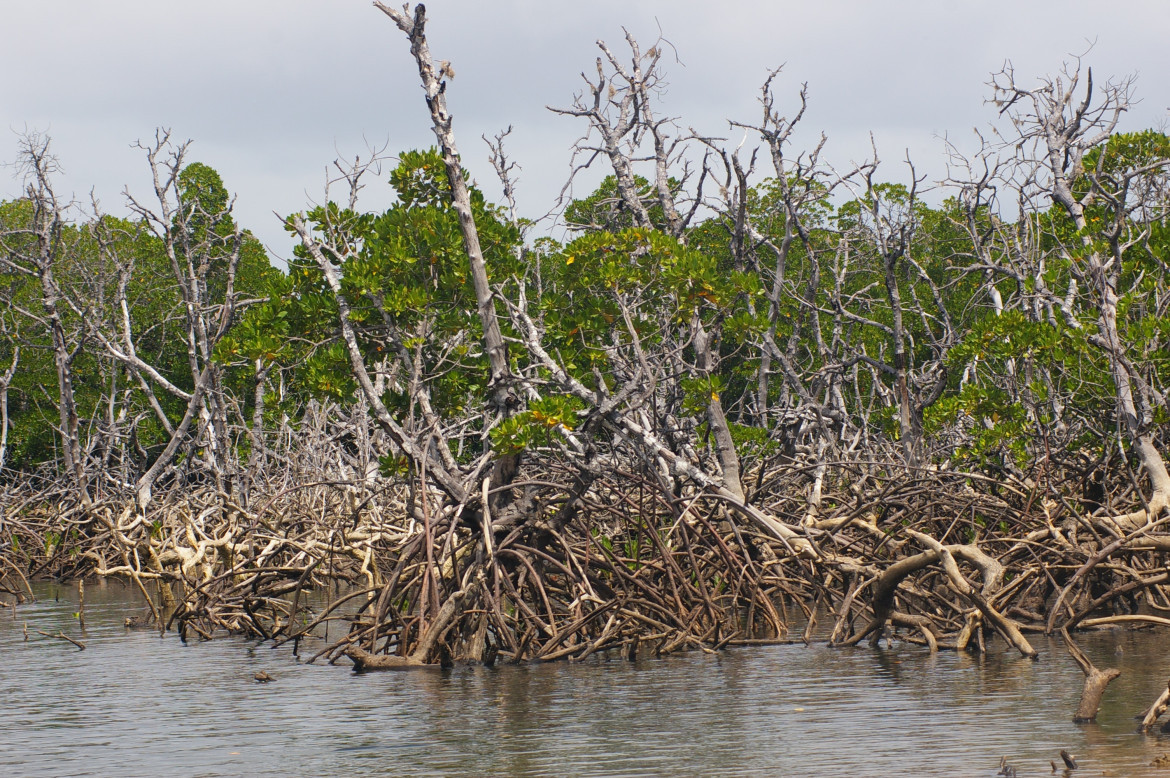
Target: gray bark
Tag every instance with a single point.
(441, 119)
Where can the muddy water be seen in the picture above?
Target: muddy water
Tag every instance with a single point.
(135, 704)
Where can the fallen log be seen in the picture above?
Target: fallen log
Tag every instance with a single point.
(364, 661)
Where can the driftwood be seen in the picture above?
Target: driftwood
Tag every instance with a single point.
(63, 636)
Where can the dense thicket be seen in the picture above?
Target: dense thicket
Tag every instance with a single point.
(747, 383)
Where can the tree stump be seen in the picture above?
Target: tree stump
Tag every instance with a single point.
(1095, 681)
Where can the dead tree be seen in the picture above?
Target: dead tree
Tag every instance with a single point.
(620, 110)
(10, 332)
(186, 228)
(434, 86)
(1057, 125)
(37, 249)
(802, 185)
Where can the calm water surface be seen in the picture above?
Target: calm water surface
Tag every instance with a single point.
(134, 704)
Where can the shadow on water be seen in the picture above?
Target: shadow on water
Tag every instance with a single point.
(133, 703)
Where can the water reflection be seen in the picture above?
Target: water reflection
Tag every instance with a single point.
(133, 703)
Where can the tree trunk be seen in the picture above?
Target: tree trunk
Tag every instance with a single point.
(441, 120)
(720, 430)
(909, 426)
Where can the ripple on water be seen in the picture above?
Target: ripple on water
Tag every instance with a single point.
(133, 703)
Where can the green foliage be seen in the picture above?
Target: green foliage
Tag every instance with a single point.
(537, 426)
(604, 210)
(615, 287)
(699, 392)
(406, 277)
(86, 265)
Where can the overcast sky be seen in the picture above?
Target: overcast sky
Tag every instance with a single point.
(271, 92)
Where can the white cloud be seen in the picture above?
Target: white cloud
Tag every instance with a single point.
(271, 92)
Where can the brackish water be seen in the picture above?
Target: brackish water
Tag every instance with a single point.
(135, 704)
